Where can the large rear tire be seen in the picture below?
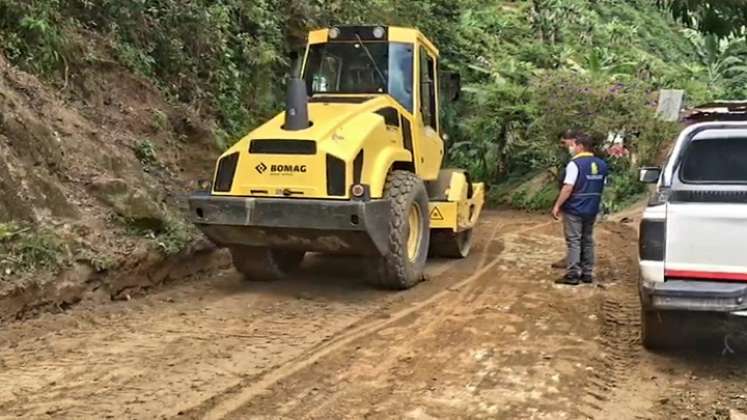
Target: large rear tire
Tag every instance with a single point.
(445, 243)
(660, 330)
(409, 234)
(265, 264)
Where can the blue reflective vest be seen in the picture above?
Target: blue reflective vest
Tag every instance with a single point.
(587, 192)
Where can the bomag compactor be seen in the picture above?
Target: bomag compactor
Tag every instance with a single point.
(352, 166)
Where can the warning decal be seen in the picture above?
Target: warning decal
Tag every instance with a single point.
(436, 214)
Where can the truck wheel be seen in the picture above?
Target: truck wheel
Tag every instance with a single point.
(445, 243)
(409, 233)
(660, 329)
(265, 264)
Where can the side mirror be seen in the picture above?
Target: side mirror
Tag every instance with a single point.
(649, 175)
(451, 86)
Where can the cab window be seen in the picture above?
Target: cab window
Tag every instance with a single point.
(356, 68)
(717, 161)
(428, 89)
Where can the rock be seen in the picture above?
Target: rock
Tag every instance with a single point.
(737, 415)
(130, 202)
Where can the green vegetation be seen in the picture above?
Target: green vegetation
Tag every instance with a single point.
(718, 17)
(539, 200)
(531, 68)
(176, 237)
(97, 260)
(145, 151)
(25, 249)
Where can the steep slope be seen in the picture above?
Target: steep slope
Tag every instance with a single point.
(91, 183)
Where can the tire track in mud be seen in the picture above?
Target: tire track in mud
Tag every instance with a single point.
(620, 349)
(223, 405)
(388, 354)
(427, 325)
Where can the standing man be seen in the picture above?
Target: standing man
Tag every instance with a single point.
(579, 202)
(565, 143)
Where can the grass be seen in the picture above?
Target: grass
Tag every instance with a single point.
(175, 238)
(25, 249)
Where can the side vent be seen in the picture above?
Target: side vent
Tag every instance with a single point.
(407, 135)
(225, 173)
(391, 116)
(335, 176)
(283, 147)
(358, 168)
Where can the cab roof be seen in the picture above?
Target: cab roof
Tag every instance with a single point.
(351, 33)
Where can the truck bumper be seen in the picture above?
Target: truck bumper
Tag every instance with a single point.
(341, 227)
(697, 296)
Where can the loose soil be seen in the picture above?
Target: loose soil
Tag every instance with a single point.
(490, 336)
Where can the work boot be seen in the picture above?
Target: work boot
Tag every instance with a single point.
(587, 278)
(561, 263)
(570, 280)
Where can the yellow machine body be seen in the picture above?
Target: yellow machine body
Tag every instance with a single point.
(352, 143)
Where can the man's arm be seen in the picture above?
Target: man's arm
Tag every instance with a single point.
(571, 175)
(565, 193)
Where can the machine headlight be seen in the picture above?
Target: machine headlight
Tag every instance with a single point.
(378, 32)
(204, 185)
(334, 33)
(358, 190)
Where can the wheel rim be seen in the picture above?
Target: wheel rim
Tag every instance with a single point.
(413, 239)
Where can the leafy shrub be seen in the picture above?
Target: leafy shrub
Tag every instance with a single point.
(175, 239)
(535, 201)
(145, 151)
(32, 34)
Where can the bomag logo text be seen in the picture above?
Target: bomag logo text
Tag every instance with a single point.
(288, 169)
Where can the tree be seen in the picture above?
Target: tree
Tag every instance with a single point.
(722, 61)
(717, 17)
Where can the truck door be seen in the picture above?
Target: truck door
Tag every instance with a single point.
(707, 209)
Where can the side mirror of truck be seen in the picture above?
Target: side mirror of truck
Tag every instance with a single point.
(649, 175)
(451, 86)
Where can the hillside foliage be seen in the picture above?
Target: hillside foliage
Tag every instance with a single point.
(718, 17)
(530, 68)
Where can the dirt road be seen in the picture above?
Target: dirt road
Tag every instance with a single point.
(486, 337)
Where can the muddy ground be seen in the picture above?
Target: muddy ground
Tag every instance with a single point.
(486, 337)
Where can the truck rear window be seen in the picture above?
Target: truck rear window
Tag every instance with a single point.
(716, 161)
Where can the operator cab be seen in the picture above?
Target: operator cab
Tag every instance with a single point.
(348, 61)
(361, 61)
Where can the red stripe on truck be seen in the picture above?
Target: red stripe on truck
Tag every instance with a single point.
(707, 275)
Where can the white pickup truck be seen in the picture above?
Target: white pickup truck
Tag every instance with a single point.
(693, 235)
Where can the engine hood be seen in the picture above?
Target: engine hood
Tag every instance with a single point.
(327, 114)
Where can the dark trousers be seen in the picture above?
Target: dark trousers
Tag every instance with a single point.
(579, 238)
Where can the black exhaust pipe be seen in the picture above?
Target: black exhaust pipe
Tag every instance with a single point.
(296, 105)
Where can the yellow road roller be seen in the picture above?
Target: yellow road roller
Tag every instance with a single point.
(351, 166)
